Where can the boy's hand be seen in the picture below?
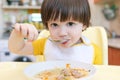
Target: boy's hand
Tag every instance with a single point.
(28, 31)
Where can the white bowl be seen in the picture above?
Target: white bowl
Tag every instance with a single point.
(36, 68)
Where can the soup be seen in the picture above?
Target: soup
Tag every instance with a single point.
(67, 73)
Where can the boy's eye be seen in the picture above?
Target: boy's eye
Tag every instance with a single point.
(54, 24)
(70, 23)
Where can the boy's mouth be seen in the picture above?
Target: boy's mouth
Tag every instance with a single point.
(65, 42)
(61, 41)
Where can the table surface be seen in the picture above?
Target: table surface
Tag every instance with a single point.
(14, 71)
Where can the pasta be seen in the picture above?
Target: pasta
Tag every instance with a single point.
(67, 73)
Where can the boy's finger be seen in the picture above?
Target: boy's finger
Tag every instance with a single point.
(35, 33)
(24, 30)
(31, 37)
(17, 27)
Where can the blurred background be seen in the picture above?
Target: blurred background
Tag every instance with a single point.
(105, 13)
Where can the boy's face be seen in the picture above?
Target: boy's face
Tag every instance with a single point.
(68, 32)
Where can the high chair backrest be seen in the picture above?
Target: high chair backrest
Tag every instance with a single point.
(96, 34)
(43, 33)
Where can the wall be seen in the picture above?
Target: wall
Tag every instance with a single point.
(115, 24)
(97, 18)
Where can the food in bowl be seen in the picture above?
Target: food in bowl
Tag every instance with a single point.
(60, 70)
(67, 73)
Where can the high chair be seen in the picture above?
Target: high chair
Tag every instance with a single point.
(43, 33)
(96, 34)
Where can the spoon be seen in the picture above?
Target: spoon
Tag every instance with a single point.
(58, 41)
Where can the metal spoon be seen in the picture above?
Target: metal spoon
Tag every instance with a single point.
(58, 41)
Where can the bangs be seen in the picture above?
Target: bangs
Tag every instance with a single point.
(65, 10)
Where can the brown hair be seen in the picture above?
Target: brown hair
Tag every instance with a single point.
(79, 10)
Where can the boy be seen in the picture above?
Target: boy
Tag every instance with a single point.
(65, 20)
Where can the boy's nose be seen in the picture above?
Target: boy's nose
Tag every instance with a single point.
(63, 31)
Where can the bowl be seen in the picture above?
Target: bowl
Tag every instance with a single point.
(38, 67)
